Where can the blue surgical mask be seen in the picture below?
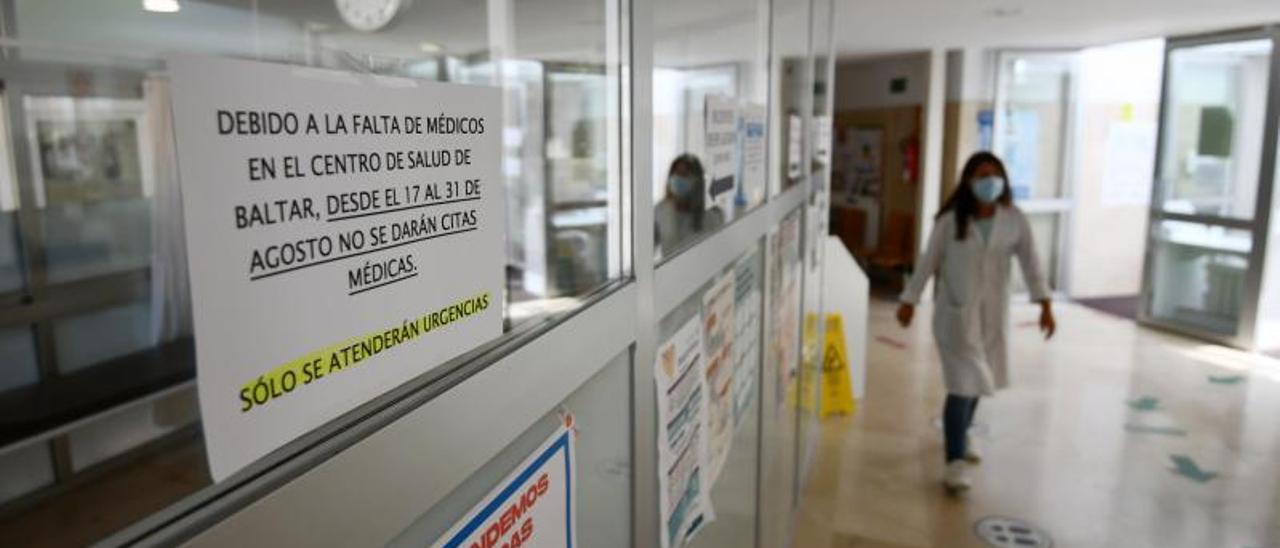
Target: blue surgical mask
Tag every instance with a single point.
(988, 189)
(680, 185)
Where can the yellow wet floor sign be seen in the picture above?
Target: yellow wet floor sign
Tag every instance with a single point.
(837, 389)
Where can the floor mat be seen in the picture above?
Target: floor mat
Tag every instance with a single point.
(1124, 307)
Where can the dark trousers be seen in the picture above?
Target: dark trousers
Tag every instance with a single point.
(957, 415)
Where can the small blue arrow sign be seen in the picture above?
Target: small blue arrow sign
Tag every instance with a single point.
(1187, 468)
(1145, 403)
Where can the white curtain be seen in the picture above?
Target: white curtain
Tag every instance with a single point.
(170, 292)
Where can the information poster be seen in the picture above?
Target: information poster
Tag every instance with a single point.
(533, 507)
(746, 337)
(795, 132)
(345, 234)
(721, 143)
(784, 296)
(717, 335)
(754, 148)
(684, 502)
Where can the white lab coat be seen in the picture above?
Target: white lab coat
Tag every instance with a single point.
(971, 298)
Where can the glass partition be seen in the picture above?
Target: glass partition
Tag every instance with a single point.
(94, 297)
(602, 460)
(103, 430)
(709, 70)
(733, 379)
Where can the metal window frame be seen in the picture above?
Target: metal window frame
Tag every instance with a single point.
(1246, 326)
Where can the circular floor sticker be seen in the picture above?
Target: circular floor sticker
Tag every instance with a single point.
(1004, 532)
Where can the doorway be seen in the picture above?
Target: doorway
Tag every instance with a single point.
(1210, 207)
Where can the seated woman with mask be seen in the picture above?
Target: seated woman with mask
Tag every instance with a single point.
(682, 213)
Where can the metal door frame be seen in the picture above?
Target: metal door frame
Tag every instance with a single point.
(1246, 325)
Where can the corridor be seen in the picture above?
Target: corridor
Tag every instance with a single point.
(1110, 435)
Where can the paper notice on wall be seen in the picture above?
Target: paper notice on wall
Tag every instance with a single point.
(717, 335)
(721, 144)
(746, 338)
(754, 146)
(533, 507)
(1130, 164)
(784, 303)
(822, 139)
(795, 135)
(684, 502)
(345, 235)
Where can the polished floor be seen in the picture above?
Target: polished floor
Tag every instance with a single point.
(1110, 435)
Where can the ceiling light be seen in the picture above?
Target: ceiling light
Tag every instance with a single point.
(430, 47)
(161, 6)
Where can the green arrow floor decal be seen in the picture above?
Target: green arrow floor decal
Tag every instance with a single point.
(1187, 468)
(1226, 379)
(1163, 430)
(1145, 403)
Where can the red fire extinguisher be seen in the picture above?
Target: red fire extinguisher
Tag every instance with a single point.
(910, 159)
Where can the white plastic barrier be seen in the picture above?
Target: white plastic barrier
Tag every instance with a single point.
(847, 291)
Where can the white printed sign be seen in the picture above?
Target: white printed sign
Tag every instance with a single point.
(721, 143)
(1128, 171)
(746, 338)
(684, 500)
(795, 164)
(717, 335)
(345, 234)
(533, 507)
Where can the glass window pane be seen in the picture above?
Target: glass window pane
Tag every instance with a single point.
(1034, 118)
(18, 352)
(1198, 275)
(91, 177)
(602, 419)
(22, 471)
(734, 491)
(88, 97)
(119, 432)
(791, 83)
(1215, 101)
(11, 275)
(89, 339)
(706, 75)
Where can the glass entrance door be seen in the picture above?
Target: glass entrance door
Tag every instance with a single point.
(1208, 222)
(1035, 99)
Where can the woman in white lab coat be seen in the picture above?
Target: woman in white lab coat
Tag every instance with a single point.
(975, 236)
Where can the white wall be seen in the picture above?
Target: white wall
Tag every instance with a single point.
(864, 83)
(1119, 98)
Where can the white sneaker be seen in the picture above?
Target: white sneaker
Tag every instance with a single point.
(971, 453)
(956, 478)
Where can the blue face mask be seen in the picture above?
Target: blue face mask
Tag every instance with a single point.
(680, 185)
(988, 189)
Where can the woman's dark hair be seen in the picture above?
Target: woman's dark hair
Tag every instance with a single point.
(963, 202)
(694, 167)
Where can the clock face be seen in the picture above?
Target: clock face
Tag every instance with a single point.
(368, 15)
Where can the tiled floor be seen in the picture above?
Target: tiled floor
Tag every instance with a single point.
(1068, 447)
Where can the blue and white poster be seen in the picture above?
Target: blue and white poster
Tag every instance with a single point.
(533, 507)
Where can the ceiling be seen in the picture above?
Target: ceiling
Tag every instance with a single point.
(877, 26)
(688, 32)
